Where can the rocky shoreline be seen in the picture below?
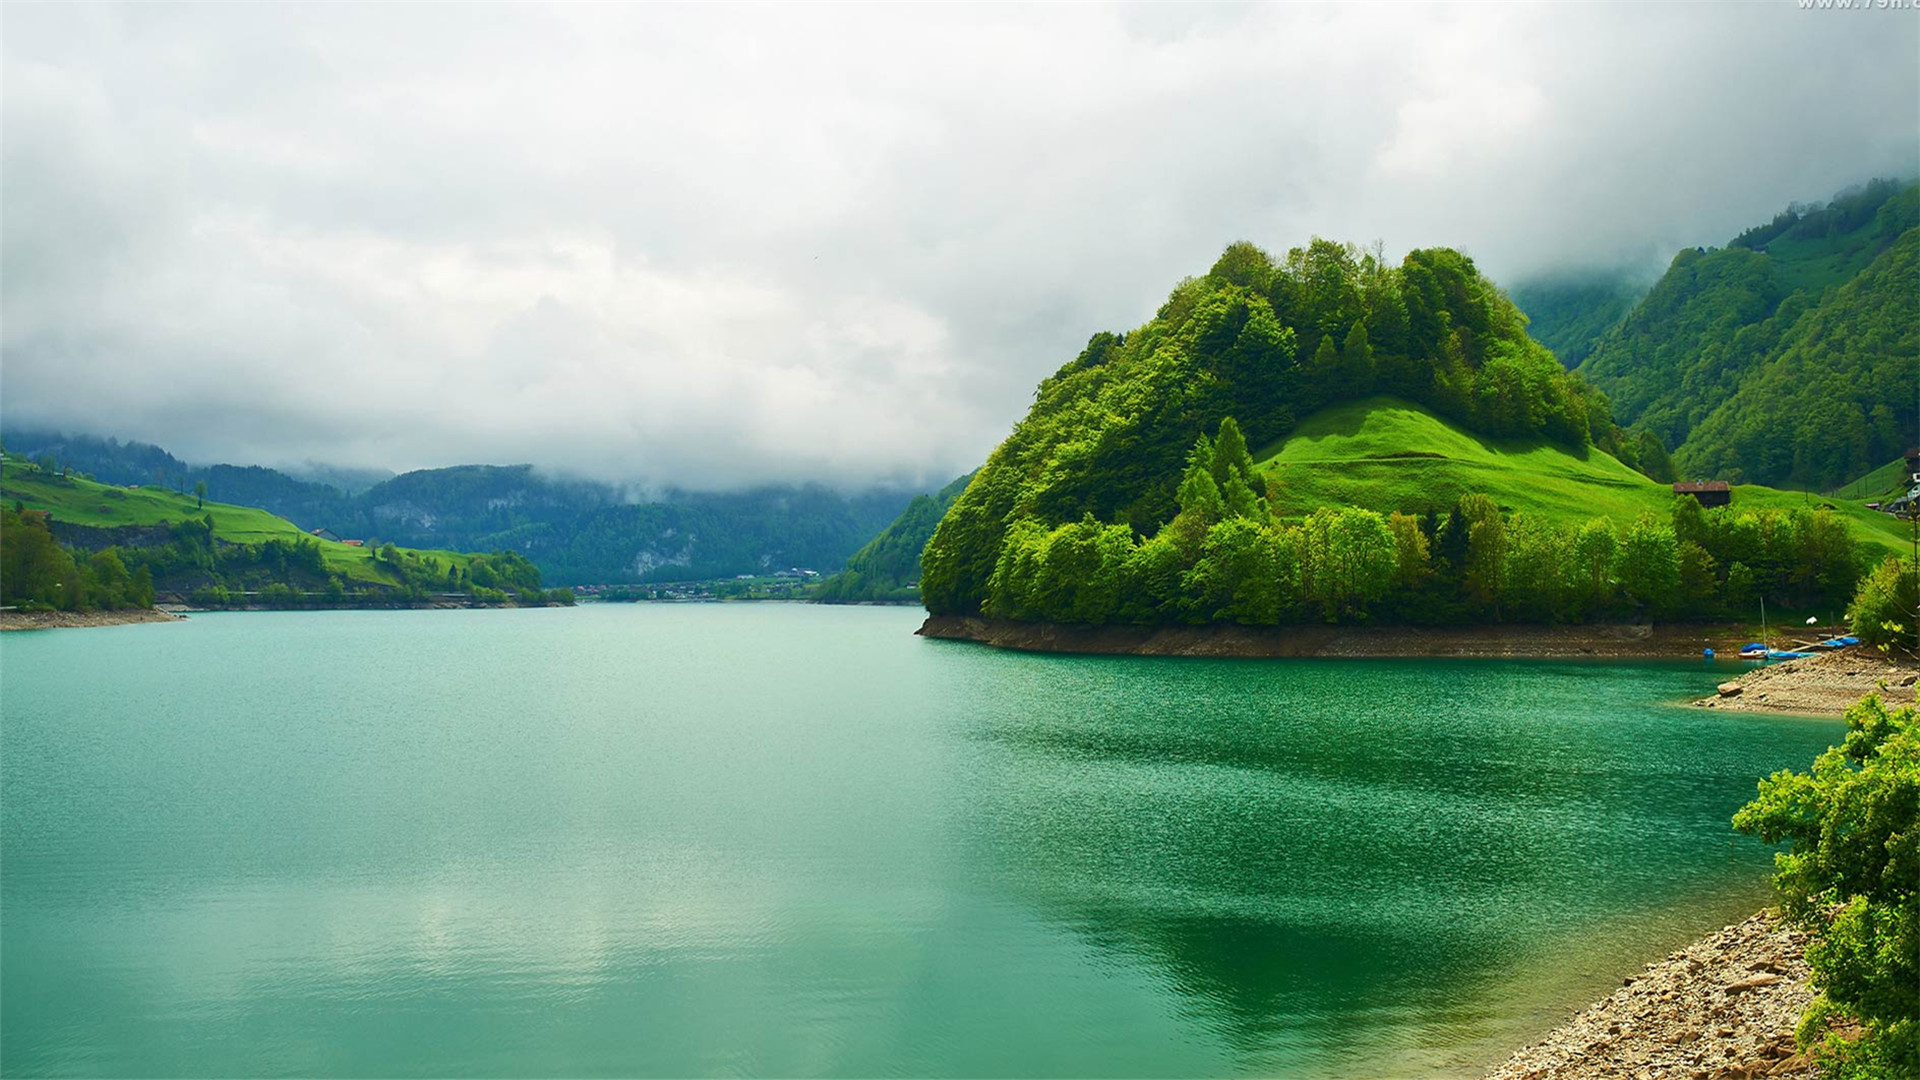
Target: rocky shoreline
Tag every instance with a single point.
(55, 620)
(1723, 1008)
(1827, 684)
(1604, 641)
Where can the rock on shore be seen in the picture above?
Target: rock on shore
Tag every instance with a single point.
(51, 620)
(1723, 1008)
(1825, 683)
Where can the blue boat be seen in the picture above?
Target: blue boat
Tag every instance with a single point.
(1753, 650)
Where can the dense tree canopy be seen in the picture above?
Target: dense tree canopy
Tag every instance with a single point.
(1265, 342)
(1226, 558)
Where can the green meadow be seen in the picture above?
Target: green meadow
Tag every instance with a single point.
(84, 502)
(1388, 454)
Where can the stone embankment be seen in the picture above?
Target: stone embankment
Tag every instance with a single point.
(1608, 641)
(1723, 1008)
(1827, 683)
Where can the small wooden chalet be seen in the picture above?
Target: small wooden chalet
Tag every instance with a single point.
(1708, 492)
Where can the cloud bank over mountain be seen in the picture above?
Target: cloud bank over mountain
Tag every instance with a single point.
(720, 245)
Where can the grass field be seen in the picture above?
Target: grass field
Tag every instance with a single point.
(1882, 483)
(1386, 454)
(83, 502)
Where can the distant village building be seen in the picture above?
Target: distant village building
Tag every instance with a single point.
(325, 534)
(1913, 465)
(1708, 492)
(354, 543)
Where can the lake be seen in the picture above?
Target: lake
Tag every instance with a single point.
(789, 840)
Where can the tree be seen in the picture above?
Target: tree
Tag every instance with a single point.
(1356, 363)
(1232, 468)
(1349, 557)
(1651, 457)
(1486, 538)
(108, 582)
(1648, 564)
(35, 571)
(1325, 365)
(1885, 612)
(1593, 555)
(1409, 550)
(1851, 876)
(200, 494)
(1532, 579)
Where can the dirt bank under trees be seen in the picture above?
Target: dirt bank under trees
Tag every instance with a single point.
(1616, 641)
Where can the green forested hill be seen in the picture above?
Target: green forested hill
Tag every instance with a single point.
(1266, 342)
(1836, 396)
(888, 567)
(1788, 357)
(1423, 461)
(211, 550)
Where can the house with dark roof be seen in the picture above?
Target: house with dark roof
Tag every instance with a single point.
(1709, 492)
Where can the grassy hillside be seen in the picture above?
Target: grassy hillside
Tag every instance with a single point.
(1882, 483)
(1384, 454)
(83, 502)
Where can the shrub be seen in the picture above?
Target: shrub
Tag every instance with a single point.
(1851, 876)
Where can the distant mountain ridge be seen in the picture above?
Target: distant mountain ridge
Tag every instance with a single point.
(576, 532)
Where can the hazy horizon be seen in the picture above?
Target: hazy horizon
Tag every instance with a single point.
(723, 246)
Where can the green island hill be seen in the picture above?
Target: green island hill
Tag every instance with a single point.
(1423, 462)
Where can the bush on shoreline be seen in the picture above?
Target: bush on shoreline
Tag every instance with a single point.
(1851, 876)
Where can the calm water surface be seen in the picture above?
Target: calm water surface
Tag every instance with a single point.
(799, 841)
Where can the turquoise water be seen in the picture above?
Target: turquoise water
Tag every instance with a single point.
(701, 840)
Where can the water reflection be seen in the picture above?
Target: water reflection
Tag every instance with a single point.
(1321, 858)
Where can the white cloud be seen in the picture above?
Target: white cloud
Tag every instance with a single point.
(722, 244)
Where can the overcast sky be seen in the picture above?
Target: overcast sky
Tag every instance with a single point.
(711, 246)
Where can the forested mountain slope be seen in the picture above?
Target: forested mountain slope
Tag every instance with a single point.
(888, 568)
(1570, 313)
(577, 532)
(1798, 339)
(1836, 396)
